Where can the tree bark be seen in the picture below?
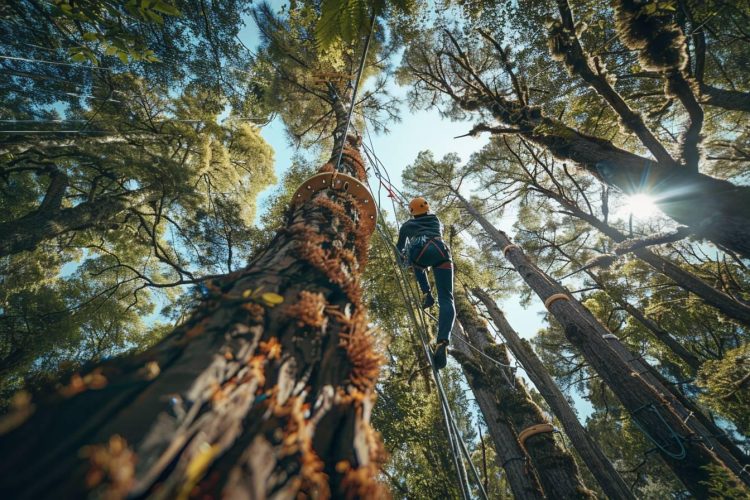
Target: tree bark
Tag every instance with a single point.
(601, 468)
(568, 47)
(686, 446)
(265, 392)
(522, 478)
(55, 191)
(714, 208)
(728, 99)
(27, 232)
(555, 467)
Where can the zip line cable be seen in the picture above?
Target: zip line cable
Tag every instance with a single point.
(356, 87)
(55, 63)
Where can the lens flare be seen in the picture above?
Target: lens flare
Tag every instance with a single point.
(640, 205)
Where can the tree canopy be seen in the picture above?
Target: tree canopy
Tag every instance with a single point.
(143, 253)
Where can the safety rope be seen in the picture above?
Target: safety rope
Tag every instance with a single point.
(458, 447)
(417, 316)
(354, 91)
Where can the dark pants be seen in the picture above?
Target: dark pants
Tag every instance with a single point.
(436, 255)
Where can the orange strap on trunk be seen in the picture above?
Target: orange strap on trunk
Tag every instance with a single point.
(555, 297)
(532, 431)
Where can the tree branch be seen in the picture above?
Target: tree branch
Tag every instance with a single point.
(565, 46)
(632, 245)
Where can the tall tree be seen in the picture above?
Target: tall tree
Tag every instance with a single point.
(555, 468)
(266, 390)
(648, 401)
(518, 169)
(598, 464)
(119, 178)
(281, 345)
(474, 73)
(125, 221)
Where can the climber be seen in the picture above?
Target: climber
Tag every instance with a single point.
(420, 245)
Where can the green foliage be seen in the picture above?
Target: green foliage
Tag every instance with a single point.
(103, 24)
(517, 189)
(723, 485)
(169, 43)
(95, 291)
(346, 20)
(302, 80)
(727, 384)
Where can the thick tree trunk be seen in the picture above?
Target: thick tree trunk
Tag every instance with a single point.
(728, 99)
(685, 445)
(25, 233)
(601, 468)
(685, 280)
(555, 467)
(264, 393)
(714, 208)
(522, 479)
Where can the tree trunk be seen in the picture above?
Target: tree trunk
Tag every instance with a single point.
(265, 392)
(555, 467)
(714, 208)
(25, 233)
(522, 479)
(728, 99)
(685, 445)
(687, 281)
(601, 468)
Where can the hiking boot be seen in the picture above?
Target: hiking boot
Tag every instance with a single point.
(440, 354)
(428, 301)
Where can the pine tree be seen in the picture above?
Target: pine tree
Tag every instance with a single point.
(650, 404)
(514, 412)
(591, 454)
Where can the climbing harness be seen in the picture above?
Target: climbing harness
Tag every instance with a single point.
(423, 243)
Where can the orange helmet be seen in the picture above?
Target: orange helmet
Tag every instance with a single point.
(419, 206)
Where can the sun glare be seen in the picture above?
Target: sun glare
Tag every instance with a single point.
(640, 205)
